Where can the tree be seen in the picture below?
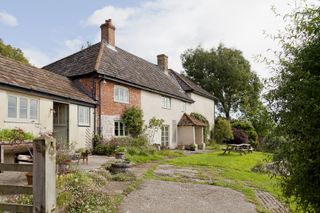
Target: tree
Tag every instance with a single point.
(296, 104)
(222, 130)
(132, 118)
(13, 53)
(227, 74)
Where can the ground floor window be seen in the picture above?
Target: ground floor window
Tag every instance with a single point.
(120, 129)
(165, 135)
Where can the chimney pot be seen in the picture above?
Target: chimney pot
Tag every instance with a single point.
(108, 32)
(163, 61)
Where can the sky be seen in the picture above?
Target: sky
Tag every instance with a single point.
(49, 30)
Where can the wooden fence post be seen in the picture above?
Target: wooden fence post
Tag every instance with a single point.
(44, 175)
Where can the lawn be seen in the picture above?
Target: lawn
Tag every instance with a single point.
(234, 171)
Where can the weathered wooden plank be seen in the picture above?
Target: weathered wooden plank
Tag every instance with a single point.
(13, 190)
(11, 207)
(16, 167)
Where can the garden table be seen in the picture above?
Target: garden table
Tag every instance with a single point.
(241, 148)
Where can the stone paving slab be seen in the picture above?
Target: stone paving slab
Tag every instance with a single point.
(171, 197)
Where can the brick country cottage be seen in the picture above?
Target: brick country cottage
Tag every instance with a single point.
(114, 79)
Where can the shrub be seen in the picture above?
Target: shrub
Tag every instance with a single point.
(15, 135)
(271, 142)
(248, 128)
(222, 130)
(140, 141)
(81, 192)
(204, 120)
(239, 136)
(109, 147)
(133, 120)
(96, 140)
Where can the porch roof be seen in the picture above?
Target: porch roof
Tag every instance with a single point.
(188, 120)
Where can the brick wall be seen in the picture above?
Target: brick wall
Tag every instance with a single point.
(109, 107)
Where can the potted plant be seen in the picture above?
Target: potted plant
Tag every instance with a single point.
(29, 178)
(63, 161)
(120, 152)
(193, 147)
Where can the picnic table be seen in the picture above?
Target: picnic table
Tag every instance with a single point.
(241, 148)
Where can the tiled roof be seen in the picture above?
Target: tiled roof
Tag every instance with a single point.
(16, 74)
(189, 86)
(188, 120)
(119, 65)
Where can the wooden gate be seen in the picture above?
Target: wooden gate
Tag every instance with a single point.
(44, 179)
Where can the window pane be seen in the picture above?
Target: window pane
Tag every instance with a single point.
(62, 113)
(23, 108)
(116, 128)
(34, 109)
(84, 115)
(12, 107)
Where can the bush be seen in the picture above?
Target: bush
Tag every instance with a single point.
(81, 192)
(96, 140)
(140, 141)
(204, 120)
(15, 135)
(248, 128)
(109, 147)
(222, 130)
(239, 136)
(271, 142)
(133, 120)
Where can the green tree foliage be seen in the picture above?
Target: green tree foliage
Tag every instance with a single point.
(227, 74)
(296, 101)
(204, 120)
(261, 120)
(133, 120)
(222, 130)
(11, 52)
(247, 127)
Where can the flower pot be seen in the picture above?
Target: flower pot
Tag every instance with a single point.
(29, 178)
(119, 155)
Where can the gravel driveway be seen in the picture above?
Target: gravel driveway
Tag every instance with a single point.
(162, 196)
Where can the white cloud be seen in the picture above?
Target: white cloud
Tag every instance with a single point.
(172, 26)
(40, 58)
(8, 19)
(120, 15)
(36, 57)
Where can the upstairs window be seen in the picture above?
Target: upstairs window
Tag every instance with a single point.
(121, 94)
(184, 106)
(166, 102)
(22, 108)
(120, 129)
(84, 116)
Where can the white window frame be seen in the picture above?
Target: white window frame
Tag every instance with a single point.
(28, 109)
(124, 131)
(166, 102)
(86, 118)
(184, 106)
(121, 94)
(165, 135)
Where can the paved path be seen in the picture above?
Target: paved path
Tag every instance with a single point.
(161, 196)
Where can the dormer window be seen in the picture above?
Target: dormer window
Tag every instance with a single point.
(121, 94)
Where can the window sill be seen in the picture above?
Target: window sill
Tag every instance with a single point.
(121, 102)
(166, 108)
(22, 121)
(84, 125)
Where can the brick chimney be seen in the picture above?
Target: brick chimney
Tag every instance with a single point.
(163, 61)
(108, 32)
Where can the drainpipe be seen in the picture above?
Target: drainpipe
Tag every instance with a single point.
(101, 81)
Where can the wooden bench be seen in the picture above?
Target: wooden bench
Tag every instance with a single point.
(240, 148)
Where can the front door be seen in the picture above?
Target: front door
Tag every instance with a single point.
(61, 123)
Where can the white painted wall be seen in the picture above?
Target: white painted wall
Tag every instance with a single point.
(186, 135)
(79, 136)
(45, 122)
(151, 106)
(204, 106)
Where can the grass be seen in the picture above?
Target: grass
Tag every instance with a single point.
(234, 171)
(153, 156)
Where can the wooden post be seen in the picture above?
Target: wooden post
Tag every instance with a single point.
(44, 175)
(1, 155)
